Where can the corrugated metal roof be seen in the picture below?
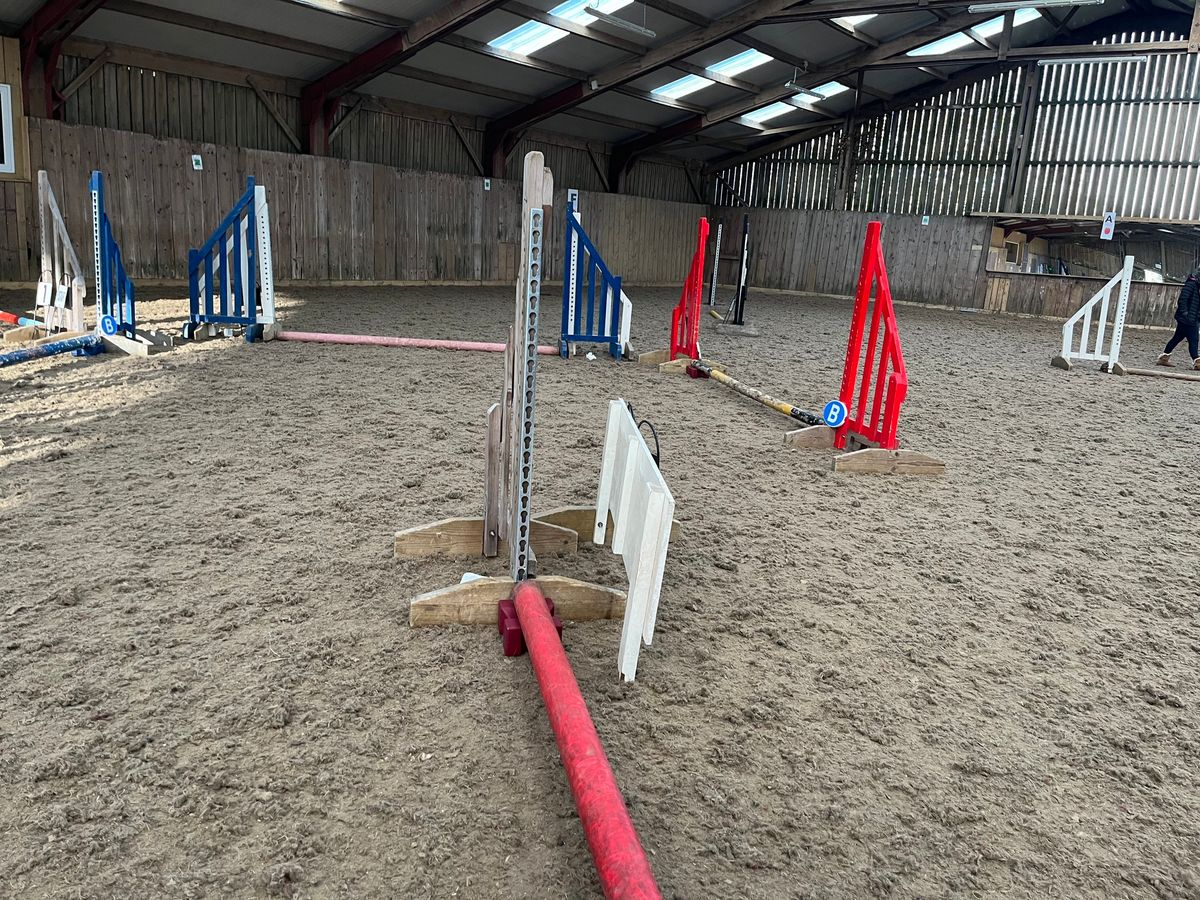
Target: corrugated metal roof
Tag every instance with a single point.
(472, 79)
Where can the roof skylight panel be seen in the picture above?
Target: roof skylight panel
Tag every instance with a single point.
(990, 28)
(533, 36)
(758, 116)
(729, 67)
(947, 44)
(681, 87)
(742, 62)
(831, 89)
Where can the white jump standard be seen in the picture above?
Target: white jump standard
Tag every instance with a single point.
(1096, 311)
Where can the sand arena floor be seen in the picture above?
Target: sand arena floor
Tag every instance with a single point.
(982, 685)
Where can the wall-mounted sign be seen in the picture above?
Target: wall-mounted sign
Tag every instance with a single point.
(487, 184)
(924, 220)
(1109, 228)
(197, 162)
(8, 150)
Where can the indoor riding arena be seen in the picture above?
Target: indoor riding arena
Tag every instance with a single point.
(716, 449)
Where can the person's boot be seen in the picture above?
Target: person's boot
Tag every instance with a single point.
(1164, 359)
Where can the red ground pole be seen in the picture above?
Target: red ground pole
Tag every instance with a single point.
(620, 861)
(10, 319)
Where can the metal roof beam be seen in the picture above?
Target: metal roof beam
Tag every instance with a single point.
(226, 29)
(254, 35)
(625, 153)
(830, 9)
(319, 99)
(852, 33)
(349, 11)
(872, 111)
(501, 132)
(1074, 51)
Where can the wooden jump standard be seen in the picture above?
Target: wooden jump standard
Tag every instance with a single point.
(525, 616)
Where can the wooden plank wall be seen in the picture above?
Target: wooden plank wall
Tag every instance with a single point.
(335, 220)
(1060, 296)
(158, 102)
(16, 191)
(1103, 137)
(820, 251)
(1174, 260)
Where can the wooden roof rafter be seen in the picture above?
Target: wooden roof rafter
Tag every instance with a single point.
(319, 99)
(41, 39)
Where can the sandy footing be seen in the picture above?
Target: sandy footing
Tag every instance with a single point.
(986, 684)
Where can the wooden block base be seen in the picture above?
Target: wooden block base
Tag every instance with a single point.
(812, 437)
(23, 334)
(1061, 362)
(464, 537)
(146, 344)
(582, 520)
(679, 366)
(875, 461)
(61, 336)
(474, 602)
(654, 357)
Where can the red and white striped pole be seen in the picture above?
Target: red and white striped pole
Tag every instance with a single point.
(620, 860)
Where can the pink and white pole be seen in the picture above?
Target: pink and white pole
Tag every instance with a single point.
(317, 337)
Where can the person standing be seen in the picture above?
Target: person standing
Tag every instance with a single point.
(1187, 323)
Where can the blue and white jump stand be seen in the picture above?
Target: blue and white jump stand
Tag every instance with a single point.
(115, 310)
(605, 316)
(230, 281)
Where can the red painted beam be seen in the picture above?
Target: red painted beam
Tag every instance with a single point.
(319, 100)
(41, 41)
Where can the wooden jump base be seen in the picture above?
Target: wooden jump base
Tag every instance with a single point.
(318, 337)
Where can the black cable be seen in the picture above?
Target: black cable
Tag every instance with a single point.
(657, 454)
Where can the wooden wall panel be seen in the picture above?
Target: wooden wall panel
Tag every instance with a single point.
(820, 251)
(129, 95)
(332, 219)
(1059, 297)
(1102, 137)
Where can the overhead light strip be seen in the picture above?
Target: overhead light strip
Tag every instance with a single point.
(1092, 60)
(618, 22)
(1008, 6)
